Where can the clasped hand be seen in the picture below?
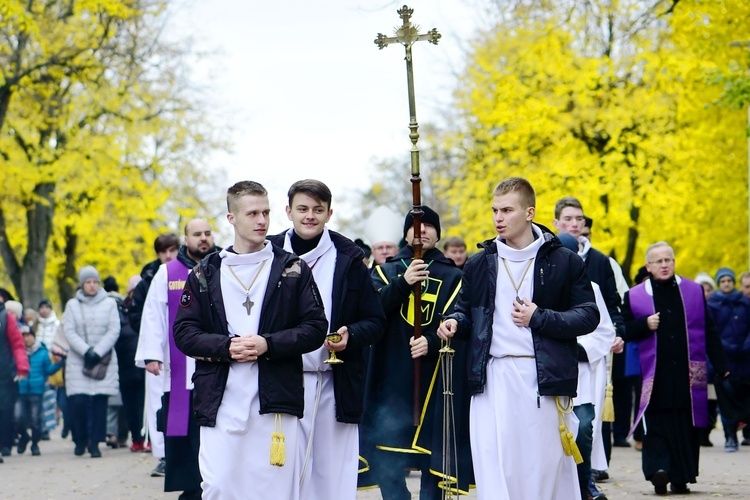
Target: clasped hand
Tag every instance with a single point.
(247, 348)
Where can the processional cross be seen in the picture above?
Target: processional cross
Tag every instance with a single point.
(406, 35)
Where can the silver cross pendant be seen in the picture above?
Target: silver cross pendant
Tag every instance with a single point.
(248, 304)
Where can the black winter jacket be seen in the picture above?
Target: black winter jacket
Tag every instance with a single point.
(566, 310)
(355, 304)
(292, 322)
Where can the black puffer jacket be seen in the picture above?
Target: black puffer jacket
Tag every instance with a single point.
(566, 310)
(355, 304)
(292, 322)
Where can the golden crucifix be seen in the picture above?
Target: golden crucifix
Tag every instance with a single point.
(406, 35)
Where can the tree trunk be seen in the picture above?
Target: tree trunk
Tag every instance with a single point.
(9, 257)
(66, 280)
(627, 264)
(39, 228)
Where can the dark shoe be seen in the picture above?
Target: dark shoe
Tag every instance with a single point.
(594, 491)
(679, 488)
(5, 452)
(729, 446)
(23, 441)
(65, 432)
(621, 443)
(94, 450)
(79, 450)
(599, 475)
(160, 469)
(45, 436)
(746, 442)
(35, 450)
(660, 480)
(191, 495)
(1, 459)
(705, 442)
(112, 442)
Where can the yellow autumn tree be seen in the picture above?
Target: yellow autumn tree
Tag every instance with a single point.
(99, 138)
(611, 102)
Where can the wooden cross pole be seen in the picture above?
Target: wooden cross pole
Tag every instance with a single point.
(406, 35)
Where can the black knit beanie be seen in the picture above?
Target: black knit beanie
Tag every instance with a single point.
(429, 216)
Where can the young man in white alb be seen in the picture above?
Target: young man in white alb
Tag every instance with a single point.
(334, 392)
(247, 315)
(524, 301)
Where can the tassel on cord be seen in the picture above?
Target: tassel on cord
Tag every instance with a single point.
(570, 448)
(608, 411)
(278, 448)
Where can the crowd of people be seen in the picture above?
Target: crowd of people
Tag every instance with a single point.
(311, 365)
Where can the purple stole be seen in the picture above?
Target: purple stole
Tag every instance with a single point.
(642, 304)
(179, 395)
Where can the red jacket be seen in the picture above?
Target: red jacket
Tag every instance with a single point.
(15, 339)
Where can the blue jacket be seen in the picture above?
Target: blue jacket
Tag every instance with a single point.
(731, 315)
(41, 368)
(566, 310)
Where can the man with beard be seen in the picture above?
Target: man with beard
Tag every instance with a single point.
(158, 354)
(165, 246)
(667, 315)
(389, 439)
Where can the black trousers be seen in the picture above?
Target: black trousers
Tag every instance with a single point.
(8, 397)
(181, 452)
(29, 416)
(389, 470)
(133, 394)
(89, 418)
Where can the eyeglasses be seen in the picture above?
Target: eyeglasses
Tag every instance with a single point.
(662, 262)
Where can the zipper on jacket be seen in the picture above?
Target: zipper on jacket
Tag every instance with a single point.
(541, 274)
(278, 285)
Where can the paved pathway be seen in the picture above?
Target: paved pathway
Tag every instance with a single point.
(58, 474)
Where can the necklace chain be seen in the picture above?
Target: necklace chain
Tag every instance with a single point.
(257, 273)
(512, 281)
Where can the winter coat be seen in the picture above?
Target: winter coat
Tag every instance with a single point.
(13, 359)
(355, 305)
(46, 328)
(41, 368)
(731, 315)
(566, 309)
(292, 315)
(102, 328)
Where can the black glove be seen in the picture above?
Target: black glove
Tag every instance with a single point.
(91, 358)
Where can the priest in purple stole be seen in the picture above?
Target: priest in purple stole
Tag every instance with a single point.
(666, 315)
(158, 353)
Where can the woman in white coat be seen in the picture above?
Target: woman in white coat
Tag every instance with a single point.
(92, 325)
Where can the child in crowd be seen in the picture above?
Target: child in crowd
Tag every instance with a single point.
(31, 389)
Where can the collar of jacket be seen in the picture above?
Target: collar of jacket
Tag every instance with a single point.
(550, 241)
(432, 254)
